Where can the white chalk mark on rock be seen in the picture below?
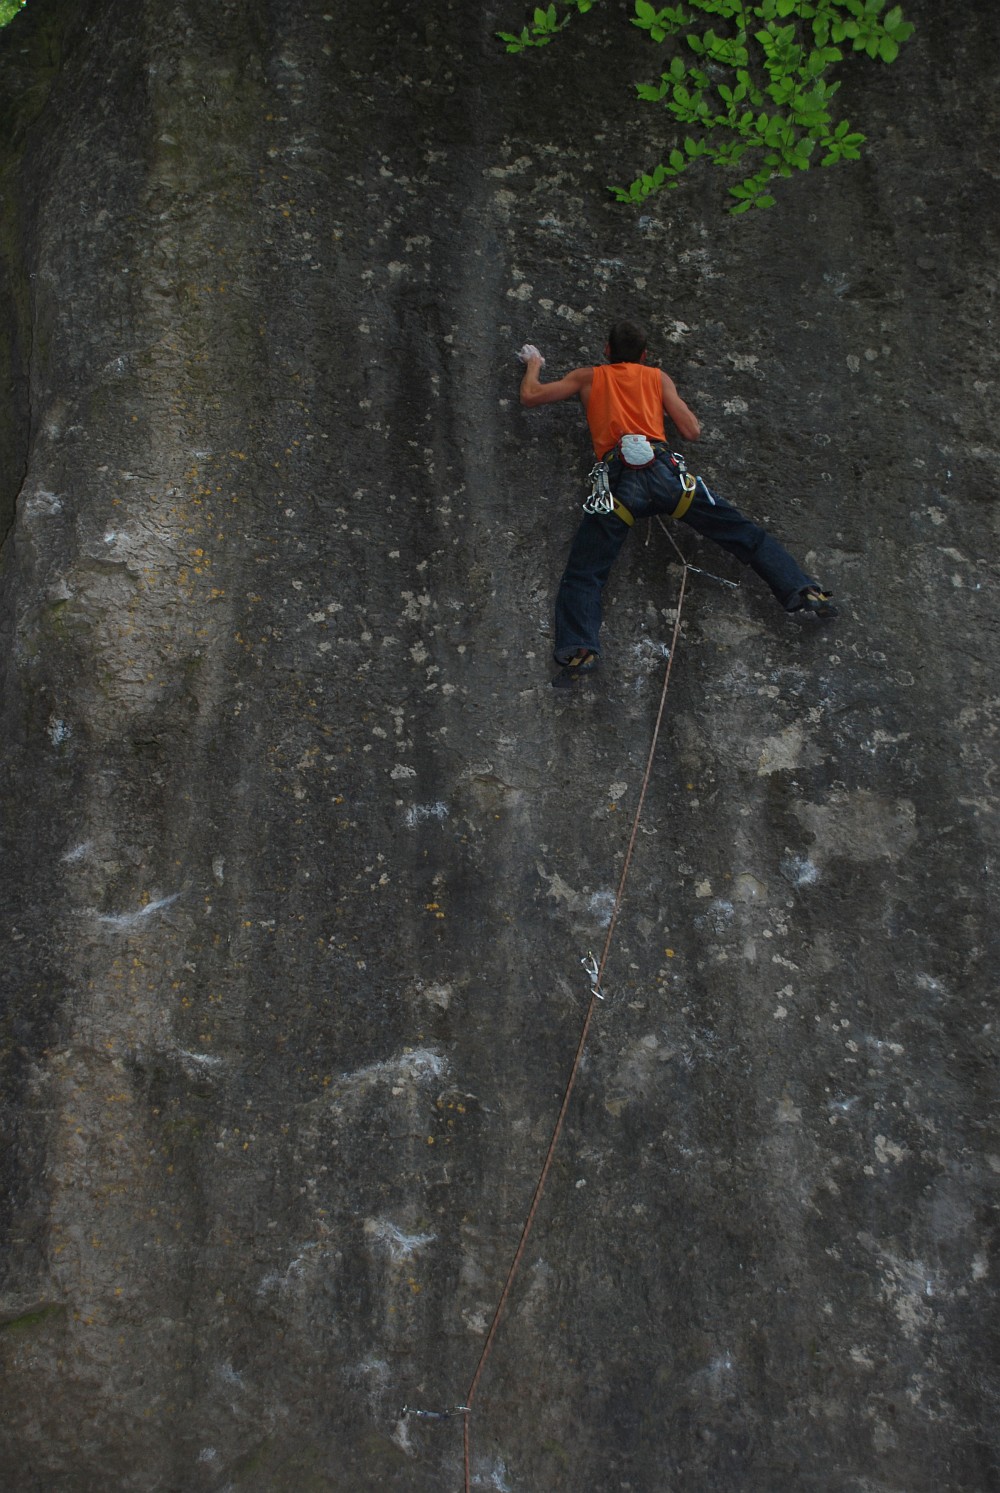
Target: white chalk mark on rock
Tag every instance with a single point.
(132, 919)
(397, 1245)
(417, 1066)
(78, 852)
(420, 813)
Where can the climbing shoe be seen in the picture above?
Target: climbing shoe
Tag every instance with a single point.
(815, 602)
(583, 661)
(581, 665)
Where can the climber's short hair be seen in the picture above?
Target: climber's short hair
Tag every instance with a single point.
(626, 342)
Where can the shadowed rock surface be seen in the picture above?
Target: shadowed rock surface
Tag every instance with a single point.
(302, 853)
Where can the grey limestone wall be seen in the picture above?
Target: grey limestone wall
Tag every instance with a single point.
(301, 851)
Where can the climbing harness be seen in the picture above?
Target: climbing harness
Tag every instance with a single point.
(601, 500)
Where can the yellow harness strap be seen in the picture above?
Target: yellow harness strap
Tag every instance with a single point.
(620, 511)
(689, 484)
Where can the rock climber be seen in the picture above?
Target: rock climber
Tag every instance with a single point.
(636, 476)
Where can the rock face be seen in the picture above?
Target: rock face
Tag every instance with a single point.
(302, 853)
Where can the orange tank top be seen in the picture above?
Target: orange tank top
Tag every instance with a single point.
(625, 399)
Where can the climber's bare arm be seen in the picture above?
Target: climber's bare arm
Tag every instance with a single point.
(534, 392)
(686, 421)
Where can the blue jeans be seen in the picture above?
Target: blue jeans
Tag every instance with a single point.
(645, 491)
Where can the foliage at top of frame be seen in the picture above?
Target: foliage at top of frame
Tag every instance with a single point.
(9, 9)
(760, 87)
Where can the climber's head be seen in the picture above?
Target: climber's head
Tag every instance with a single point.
(626, 343)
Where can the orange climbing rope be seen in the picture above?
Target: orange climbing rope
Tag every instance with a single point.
(595, 995)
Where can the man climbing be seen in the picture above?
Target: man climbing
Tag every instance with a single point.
(637, 476)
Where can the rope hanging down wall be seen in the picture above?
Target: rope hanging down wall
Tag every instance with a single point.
(595, 969)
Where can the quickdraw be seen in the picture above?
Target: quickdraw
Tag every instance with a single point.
(434, 1414)
(593, 969)
(688, 484)
(600, 499)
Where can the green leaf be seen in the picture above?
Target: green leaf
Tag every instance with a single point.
(522, 42)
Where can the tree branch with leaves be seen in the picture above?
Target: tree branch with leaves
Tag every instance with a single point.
(756, 92)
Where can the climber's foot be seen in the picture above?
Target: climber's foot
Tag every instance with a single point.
(577, 665)
(812, 602)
